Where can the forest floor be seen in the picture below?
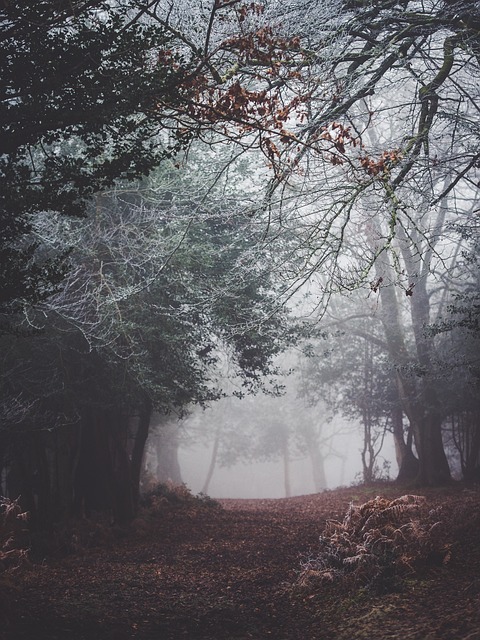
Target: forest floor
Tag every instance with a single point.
(231, 571)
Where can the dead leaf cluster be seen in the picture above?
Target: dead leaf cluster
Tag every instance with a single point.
(377, 544)
(12, 529)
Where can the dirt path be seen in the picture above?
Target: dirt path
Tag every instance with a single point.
(212, 573)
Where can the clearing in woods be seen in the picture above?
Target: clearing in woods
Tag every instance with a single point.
(229, 571)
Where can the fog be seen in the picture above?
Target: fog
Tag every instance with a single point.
(264, 479)
(249, 474)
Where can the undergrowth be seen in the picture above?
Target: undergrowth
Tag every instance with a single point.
(377, 545)
(12, 529)
(13, 552)
(80, 535)
(174, 494)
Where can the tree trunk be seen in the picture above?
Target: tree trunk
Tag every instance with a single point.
(318, 468)
(311, 437)
(369, 455)
(433, 468)
(139, 449)
(103, 480)
(433, 464)
(213, 462)
(166, 448)
(123, 501)
(286, 469)
(467, 440)
(406, 461)
(418, 400)
(42, 482)
(93, 481)
(18, 479)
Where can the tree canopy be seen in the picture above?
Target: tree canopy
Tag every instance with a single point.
(173, 173)
(93, 92)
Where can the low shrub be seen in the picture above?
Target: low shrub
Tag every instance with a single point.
(174, 494)
(377, 545)
(12, 534)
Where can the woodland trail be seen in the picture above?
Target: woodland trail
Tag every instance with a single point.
(206, 572)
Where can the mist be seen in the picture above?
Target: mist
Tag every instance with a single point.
(259, 474)
(265, 479)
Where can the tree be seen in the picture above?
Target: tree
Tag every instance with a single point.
(162, 464)
(348, 370)
(366, 180)
(457, 333)
(154, 304)
(73, 116)
(385, 155)
(97, 91)
(272, 427)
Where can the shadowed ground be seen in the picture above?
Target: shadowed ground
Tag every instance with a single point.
(230, 571)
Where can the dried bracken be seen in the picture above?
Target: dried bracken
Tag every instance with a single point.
(186, 571)
(377, 544)
(12, 526)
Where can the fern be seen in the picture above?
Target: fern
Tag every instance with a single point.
(377, 544)
(12, 526)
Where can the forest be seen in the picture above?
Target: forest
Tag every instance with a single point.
(253, 226)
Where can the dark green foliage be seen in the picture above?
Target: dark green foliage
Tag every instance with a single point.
(151, 308)
(82, 85)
